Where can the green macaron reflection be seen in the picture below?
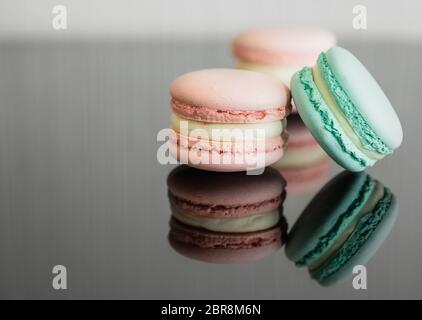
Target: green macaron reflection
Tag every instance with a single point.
(342, 226)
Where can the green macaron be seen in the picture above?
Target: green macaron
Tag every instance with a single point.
(346, 110)
(343, 226)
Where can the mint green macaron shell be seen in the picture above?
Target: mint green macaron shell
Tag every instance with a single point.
(323, 124)
(381, 128)
(369, 139)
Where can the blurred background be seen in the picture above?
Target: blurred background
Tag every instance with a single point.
(20, 19)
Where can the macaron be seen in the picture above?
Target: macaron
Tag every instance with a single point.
(225, 248)
(346, 110)
(342, 226)
(226, 202)
(280, 52)
(226, 217)
(228, 120)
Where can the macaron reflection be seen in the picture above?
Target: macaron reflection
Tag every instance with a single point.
(343, 226)
(226, 217)
(305, 165)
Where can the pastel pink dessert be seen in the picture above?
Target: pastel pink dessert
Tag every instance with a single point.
(229, 96)
(280, 52)
(246, 107)
(282, 46)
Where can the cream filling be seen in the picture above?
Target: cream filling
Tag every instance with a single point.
(283, 73)
(332, 104)
(227, 131)
(376, 196)
(247, 224)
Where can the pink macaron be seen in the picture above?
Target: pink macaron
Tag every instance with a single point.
(280, 52)
(228, 120)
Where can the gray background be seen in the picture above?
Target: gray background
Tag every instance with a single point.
(80, 184)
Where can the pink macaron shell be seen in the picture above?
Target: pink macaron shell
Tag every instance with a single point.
(229, 96)
(214, 247)
(242, 146)
(221, 194)
(206, 114)
(229, 161)
(224, 211)
(282, 46)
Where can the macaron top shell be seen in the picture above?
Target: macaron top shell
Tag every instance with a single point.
(224, 189)
(291, 46)
(366, 94)
(229, 90)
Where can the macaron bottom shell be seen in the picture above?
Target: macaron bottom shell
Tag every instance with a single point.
(226, 156)
(324, 125)
(225, 248)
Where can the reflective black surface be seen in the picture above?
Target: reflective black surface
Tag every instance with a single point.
(80, 184)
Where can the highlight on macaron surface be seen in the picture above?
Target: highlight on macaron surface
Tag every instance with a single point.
(346, 110)
(343, 226)
(226, 217)
(228, 120)
(280, 52)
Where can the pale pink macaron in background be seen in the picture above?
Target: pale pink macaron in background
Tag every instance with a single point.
(305, 165)
(280, 52)
(226, 217)
(303, 150)
(228, 119)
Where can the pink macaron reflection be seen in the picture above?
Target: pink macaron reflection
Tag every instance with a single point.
(226, 217)
(305, 165)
